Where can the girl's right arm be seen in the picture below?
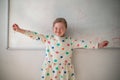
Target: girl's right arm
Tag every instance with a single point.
(31, 34)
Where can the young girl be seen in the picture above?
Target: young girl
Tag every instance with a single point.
(59, 50)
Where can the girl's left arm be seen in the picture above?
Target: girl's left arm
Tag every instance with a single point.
(88, 44)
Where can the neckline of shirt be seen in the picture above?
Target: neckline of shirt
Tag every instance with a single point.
(59, 38)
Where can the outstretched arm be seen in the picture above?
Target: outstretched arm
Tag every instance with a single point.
(31, 34)
(88, 44)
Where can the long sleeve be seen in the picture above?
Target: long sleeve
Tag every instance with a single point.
(84, 44)
(36, 36)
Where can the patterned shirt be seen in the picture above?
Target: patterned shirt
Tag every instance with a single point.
(57, 64)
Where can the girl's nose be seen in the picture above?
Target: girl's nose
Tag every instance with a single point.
(58, 30)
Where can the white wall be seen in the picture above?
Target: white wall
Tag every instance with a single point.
(101, 64)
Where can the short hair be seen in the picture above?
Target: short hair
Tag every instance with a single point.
(60, 20)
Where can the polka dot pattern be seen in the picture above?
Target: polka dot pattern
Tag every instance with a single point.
(57, 64)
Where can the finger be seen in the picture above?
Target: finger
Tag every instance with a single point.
(105, 43)
(15, 25)
(15, 29)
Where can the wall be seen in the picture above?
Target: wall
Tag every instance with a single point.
(100, 64)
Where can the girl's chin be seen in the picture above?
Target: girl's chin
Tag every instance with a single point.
(59, 35)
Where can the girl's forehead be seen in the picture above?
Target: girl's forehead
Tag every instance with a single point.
(59, 24)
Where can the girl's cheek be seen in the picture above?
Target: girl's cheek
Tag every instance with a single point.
(54, 30)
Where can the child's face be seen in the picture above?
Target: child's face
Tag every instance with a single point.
(59, 29)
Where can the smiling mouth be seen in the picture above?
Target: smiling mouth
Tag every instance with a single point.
(58, 33)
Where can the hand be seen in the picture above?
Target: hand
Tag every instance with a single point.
(16, 27)
(103, 44)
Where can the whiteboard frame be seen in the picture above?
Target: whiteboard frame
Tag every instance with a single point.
(7, 31)
(8, 19)
(8, 25)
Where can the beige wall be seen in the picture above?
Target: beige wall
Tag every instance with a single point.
(101, 64)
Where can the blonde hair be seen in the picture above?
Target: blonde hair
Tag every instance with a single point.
(60, 20)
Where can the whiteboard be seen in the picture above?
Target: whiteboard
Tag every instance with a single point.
(88, 19)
